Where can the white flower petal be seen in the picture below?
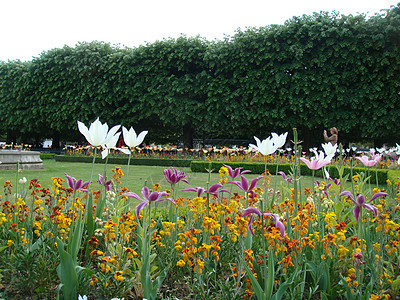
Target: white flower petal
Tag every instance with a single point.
(104, 153)
(125, 151)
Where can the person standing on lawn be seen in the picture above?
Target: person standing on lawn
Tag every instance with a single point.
(333, 138)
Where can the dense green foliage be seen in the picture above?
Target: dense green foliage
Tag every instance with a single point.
(47, 156)
(313, 72)
(124, 161)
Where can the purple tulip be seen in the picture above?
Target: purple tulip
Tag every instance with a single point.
(360, 202)
(244, 184)
(235, 173)
(317, 162)
(377, 157)
(213, 190)
(102, 181)
(173, 176)
(252, 210)
(287, 179)
(326, 187)
(147, 198)
(335, 181)
(366, 162)
(76, 185)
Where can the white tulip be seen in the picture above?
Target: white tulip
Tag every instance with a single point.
(266, 147)
(98, 133)
(131, 139)
(279, 140)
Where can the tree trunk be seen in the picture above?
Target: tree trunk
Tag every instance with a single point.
(188, 132)
(56, 140)
(11, 138)
(378, 142)
(307, 138)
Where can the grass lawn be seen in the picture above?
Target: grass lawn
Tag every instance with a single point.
(138, 176)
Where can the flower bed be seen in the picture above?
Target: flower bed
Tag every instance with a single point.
(233, 239)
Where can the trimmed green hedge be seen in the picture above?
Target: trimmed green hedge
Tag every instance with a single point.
(258, 168)
(393, 174)
(47, 156)
(124, 161)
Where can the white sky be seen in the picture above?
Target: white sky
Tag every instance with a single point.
(29, 27)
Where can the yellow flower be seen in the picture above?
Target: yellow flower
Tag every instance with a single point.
(180, 263)
(342, 250)
(330, 219)
(200, 265)
(118, 276)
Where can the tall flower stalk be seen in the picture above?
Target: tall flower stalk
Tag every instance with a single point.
(132, 140)
(68, 271)
(150, 285)
(264, 290)
(296, 169)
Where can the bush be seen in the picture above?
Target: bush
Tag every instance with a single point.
(393, 175)
(47, 156)
(124, 161)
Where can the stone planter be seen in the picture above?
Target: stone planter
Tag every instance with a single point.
(27, 160)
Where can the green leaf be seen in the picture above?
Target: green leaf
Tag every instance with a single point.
(256, 286)
(271, 275)
(67, 273)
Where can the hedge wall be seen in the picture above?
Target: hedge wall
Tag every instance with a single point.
(47, 156)
(124, 161)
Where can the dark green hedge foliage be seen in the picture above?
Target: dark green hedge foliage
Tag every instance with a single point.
(47, 156)
(313, 72)
(124, 161)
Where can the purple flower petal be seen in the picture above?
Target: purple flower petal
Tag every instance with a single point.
(244, 183)
(78, 184)
(360, 199)
(347, 194)
(70, 181)
(145, 192)
(214, 188)
(250, 223)
(372, 208)
(254, 182)
(139, 208)
(278, 223)
(356, 212)
(283, 175)
(251, 210)
(376, 195)
(132, 195)
(199, 190)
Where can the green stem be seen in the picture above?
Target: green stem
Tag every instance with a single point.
(17, 180)
(91, 170)
(105, 176)
(295, 168)
(265, 187)
(90, 181)
(351, 176)
(127, 167)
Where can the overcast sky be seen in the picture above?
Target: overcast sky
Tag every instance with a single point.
(29, 27)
